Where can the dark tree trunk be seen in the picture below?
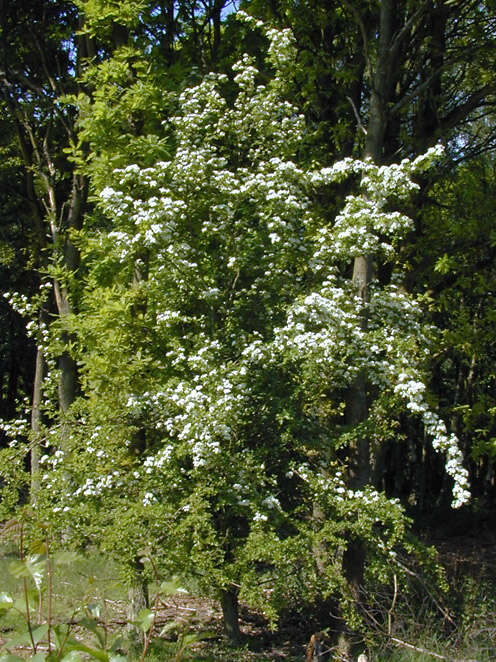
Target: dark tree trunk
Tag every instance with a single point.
(230, 611)
(216, 20)
(169, 35)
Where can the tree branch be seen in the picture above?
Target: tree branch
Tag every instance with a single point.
(419, 649)
(363, 32)
(357, 116)
(462, 110)
(398, 38)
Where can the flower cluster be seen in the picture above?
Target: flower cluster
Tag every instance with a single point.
(412, 390)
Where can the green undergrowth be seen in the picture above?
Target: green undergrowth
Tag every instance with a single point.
(88, 601)
(77, 581)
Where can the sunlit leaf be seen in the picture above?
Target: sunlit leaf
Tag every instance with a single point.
(38, 547)
(73, 656)
(38, 657)
(66, 558)
(95, 610)
(6, 601)
(33, 566)
(144, 620)
(171, 587)
(40, 633)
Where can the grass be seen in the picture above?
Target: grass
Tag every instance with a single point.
(93, 579)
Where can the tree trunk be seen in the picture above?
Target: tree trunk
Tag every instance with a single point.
(360, 464)
(216, 12)
(36, 424)
(138, 599)
(169, 34)
(230, 612)
(68, 382)
(360, 467)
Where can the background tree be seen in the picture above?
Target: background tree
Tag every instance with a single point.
(459, 220)
(39, 63)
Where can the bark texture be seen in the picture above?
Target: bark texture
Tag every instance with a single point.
(230, 611)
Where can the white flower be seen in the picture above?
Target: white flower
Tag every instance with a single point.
(149, 498)
(260, 517)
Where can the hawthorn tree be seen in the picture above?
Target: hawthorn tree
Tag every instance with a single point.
(218, 338)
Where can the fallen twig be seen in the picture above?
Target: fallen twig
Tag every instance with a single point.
(393, 604)
(419, 649)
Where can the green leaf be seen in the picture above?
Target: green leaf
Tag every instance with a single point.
(11, 658)
(38, 547)
(17, 569)
(92, 625)
(444, 265)
(66, 558)
(95, 610)
(38, 657)
(20, 602)
(21, 639)
(171, 587)
(72, 656)
(59, 635)
(96, 653)
(144, 620)
(40, 633)
(172, 625)
(36, 569)
(6, 602)
(32, 567)
(118, 643)
(206, 634)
